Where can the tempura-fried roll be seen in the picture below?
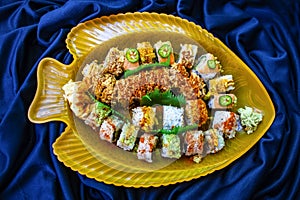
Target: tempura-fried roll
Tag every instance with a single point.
(195, 112)
(214, 141)
(194, 143)
(172, 117)
(208, 66)
(170, 146)
(147, 143)
(187, 55)
(222, 101)
(146, 51)
(226, 122)
(127, 137)
(144, 117)
(114, 62)
(221, 84)
(110, 128)
(164, 52)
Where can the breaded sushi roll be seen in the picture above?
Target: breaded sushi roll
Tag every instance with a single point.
(164, 52)
(170, 146)
(222, 101)
(127, 137)
(208, 66)
(193, 143)
(195, 112)
(221, 84)
(187, 55)
(114, 62)
(146, 51)
(226, 122)
(132, 58)
(110, 128)
(172, 117)
(214, 141)
(144, 117)
(147, 143)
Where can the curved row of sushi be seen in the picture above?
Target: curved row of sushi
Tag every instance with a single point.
(185, 75)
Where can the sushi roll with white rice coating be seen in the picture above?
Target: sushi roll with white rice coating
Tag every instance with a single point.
(194, 143)
(208, 66)
(187, 55)
(221, 84)
(214, 141)
(172, 117)
(109, 128)
(170, 146)
(226, 122)
(127, 137)
(147, 143)
(222, 101)
(144, 117)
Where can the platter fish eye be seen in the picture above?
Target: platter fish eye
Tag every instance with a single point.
(84, 152)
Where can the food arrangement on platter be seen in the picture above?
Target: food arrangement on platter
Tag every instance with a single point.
(148, 97)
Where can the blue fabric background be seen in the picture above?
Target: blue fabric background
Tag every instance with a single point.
(264, 34)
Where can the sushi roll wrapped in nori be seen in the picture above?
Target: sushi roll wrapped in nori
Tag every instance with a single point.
(144, 117)
(110, 128)
(170, 146)
(226, 122)
(214, 141)
(208, 66)
(164, 52)
(222, 101)
(187, 55)
(194, 143)
(132, 58)
(172, 117)
(127, 137)
(146, 51)
(146, 145)
(221, 84)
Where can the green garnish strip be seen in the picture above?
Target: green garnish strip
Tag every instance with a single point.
(146, 66)
(177, 129)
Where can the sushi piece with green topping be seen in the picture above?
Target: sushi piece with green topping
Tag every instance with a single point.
(127, 137)
(170, 146)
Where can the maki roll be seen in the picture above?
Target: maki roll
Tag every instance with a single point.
(187, 55)
(146, 145)
(222, 101)
(146, 52)
(208, 66)
(164, 52)
(214, 141)
(110, 128)
(114, 62)
(195, 112)
(127, 137)
(131, 58)
(193, 143)
(170, 146)
(227, 123)
(172, 117)
(144, 117)
(221, 84)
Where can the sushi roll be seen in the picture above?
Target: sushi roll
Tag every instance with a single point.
(222, 101)
(195, 112)
(127, 137)
(221, 84)
(146, 51)
(193, 143)
(172, 117)
(110, 128)
(132, 58)
(187, 55)
(114, 62)
(146, 146)
(170, 146)
(164, 52)
(144, 117)
(208, 66)
(214, 141)
(226, 122)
